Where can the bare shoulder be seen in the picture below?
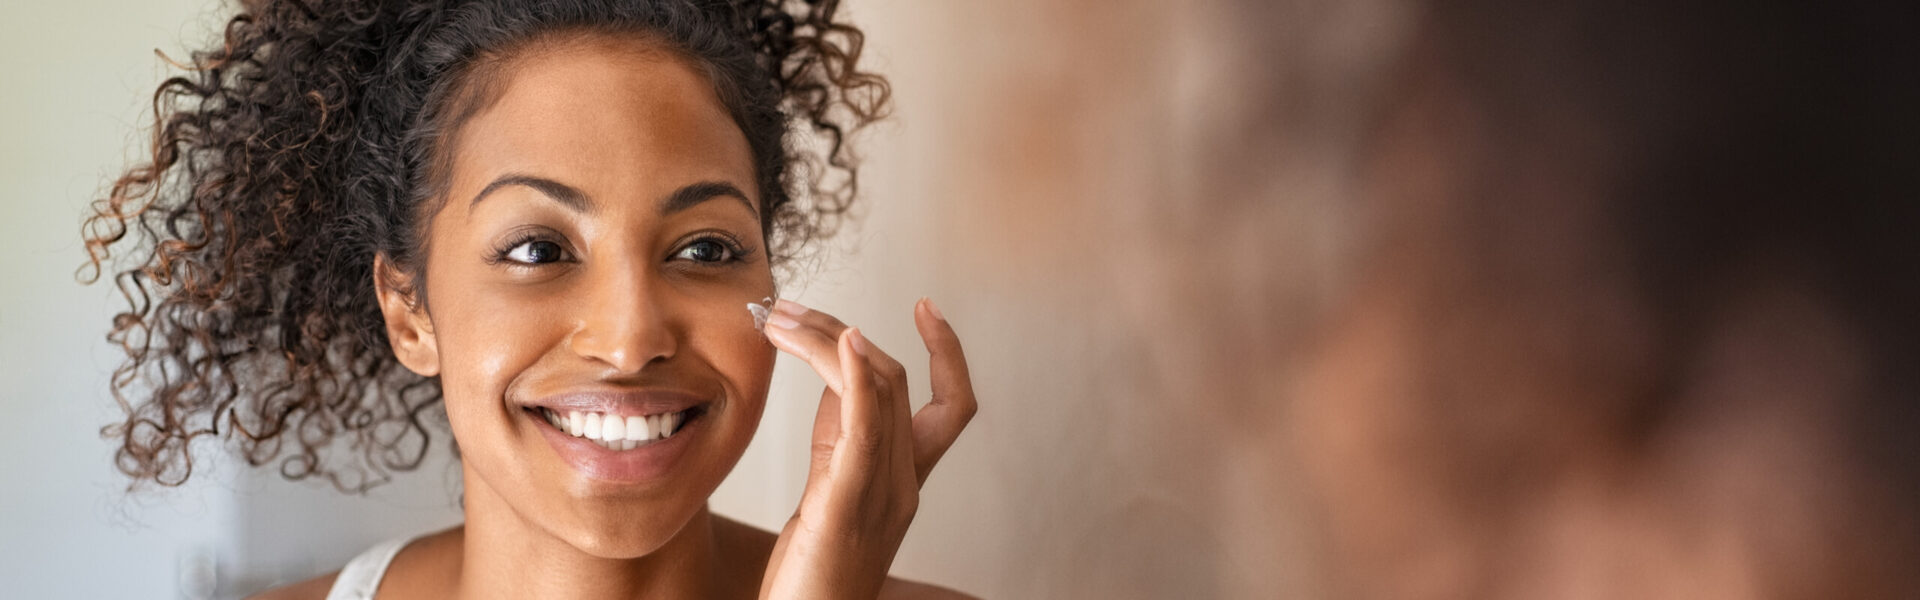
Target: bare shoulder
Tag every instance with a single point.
(311, 589)
(750, 546)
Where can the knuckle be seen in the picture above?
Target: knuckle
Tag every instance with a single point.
(882, 385)
(905, 509)
(830, 322)
(865, 443)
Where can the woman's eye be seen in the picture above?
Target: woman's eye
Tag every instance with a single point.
(535, 252)
(706, 251)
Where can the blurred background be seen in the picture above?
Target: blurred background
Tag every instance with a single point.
(1301, 299)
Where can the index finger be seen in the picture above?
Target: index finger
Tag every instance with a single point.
(939, 423)
(812, 336)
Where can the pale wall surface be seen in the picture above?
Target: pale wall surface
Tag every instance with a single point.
(79, 77)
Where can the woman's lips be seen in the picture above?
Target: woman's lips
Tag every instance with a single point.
(620, 448)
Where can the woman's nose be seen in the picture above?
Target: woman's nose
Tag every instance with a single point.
(620, 323)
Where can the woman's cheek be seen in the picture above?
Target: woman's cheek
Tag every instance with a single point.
(738, 352)
(750, 355)
(487, 340)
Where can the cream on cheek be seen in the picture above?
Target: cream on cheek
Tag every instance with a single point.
(759, 311)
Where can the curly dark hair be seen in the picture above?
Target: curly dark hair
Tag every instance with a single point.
(315, 138)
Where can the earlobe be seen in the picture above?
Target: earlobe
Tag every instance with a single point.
(408, 328)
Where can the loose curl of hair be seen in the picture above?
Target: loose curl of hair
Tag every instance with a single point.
(315, 138)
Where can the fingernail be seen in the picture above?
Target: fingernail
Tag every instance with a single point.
(933, 309)
(790, 307)
(859, 341)
(781, 320)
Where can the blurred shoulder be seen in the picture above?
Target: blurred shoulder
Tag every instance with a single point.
(311, 589)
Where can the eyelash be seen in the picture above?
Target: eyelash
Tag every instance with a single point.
(736, 252)
(501, 252)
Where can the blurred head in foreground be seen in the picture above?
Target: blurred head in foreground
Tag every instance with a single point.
(1631, 312)
(1565, 299)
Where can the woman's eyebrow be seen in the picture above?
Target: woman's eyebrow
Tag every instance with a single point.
(690, 195)
(559, 192)
(681, 199)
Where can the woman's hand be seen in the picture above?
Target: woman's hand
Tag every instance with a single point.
(870, 452)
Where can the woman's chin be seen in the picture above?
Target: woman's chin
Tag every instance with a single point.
(617, 538)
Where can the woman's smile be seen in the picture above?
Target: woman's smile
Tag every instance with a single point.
(620, 437)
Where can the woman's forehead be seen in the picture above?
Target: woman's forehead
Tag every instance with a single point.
(615, 120)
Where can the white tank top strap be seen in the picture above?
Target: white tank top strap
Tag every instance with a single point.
(361, 577)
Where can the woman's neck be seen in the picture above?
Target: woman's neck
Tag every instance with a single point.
(505, 556)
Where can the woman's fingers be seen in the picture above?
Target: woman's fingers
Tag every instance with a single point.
(813, 336)
(843, 357)
(939, 423)
(861, 494)
(862, 440)
(826, 431)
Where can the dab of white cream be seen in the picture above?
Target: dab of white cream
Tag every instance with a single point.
(760, 311)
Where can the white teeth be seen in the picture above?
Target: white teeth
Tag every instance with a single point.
(615, 432)
(613, 429)
(636, 428)
(591, 429)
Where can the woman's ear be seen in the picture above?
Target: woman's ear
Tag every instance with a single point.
(409, 329)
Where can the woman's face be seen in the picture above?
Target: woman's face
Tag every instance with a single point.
(594, 258)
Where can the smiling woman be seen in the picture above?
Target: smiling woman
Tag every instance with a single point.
(546, 218)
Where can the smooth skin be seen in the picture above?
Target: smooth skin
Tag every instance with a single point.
(601, 234)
